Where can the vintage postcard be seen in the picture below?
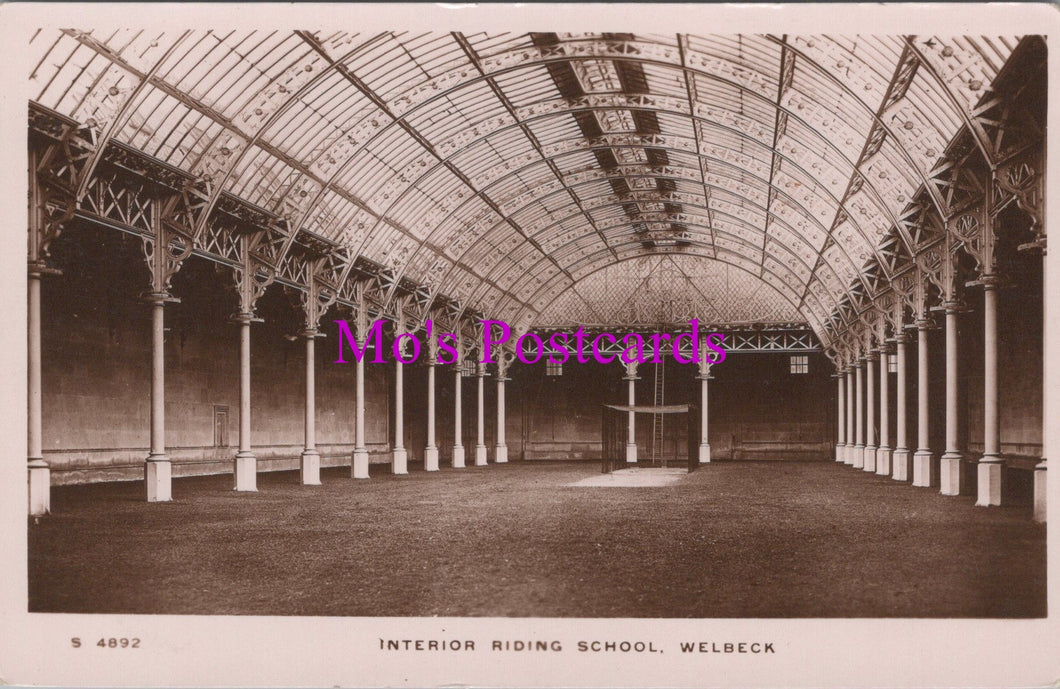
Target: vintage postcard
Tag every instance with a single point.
(560, 345)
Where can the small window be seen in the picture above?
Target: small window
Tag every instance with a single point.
(553, 369)
(892, 363)
(800, 363)
(467, 368)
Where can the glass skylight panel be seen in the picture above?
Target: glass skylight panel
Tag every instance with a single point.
(867, 216)
(527, 85)
(476, 104)
(198, 75)
(532, 218)
(435, 53)
(782, 234)
(335, 221)
(964, 70)
(193, 49)
(668, 81)
(387, 69)
(257, 75)
(148, 116)
(190, 141)
(57, 71)
(174, 137)
(373, 174)
(142, 49)
(486, 44)
(512, 192)
(332, 130)
(307, 141)
(388, 246)
(250, 169)
(557, 127)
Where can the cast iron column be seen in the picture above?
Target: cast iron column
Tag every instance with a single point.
(869, 463)
(631, 423)
(950, 463)
(922, 457)
(501, 449)
(480, 445)
(39, 477)
(310, 464)
(458, 417)
(903, 458)
(704, 436)
(1039, 469)
(841, 425)
(848, 451)
(859, 416)
(359, 466)
(883, 452)
(158, 470)
(400, 462)
(430, 453)
(989, 469)
(246, 464)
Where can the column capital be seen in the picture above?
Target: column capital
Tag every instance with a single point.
(245, 317)
(39, 268)
(988, 281)
(951, 306)
(159, 298)
(925, 324)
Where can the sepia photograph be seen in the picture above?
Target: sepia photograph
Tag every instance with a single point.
(539, 345)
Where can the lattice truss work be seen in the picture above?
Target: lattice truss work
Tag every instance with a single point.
(521, 175)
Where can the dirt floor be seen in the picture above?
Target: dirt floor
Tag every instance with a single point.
(750, 539)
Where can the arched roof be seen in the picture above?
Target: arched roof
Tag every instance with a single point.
(670, 288)
(503, 170)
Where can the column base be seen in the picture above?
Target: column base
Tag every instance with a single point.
(430, 459)
(158, 477)
(246, 472)
(858, 458)
(922, 469)
(883, 461)
(839, 449)
(869, 462)
(39, 483)
(458, 457)
(704, 453)
(631, 453)
(848, 454)
(500, 454)
(310, 468)
(399, 463)
(950, 474)
(989, 475)
(359, 465)
(1039, 492)
(902, 464)
(480, 455)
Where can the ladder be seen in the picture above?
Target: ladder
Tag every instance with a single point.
(657, 419)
